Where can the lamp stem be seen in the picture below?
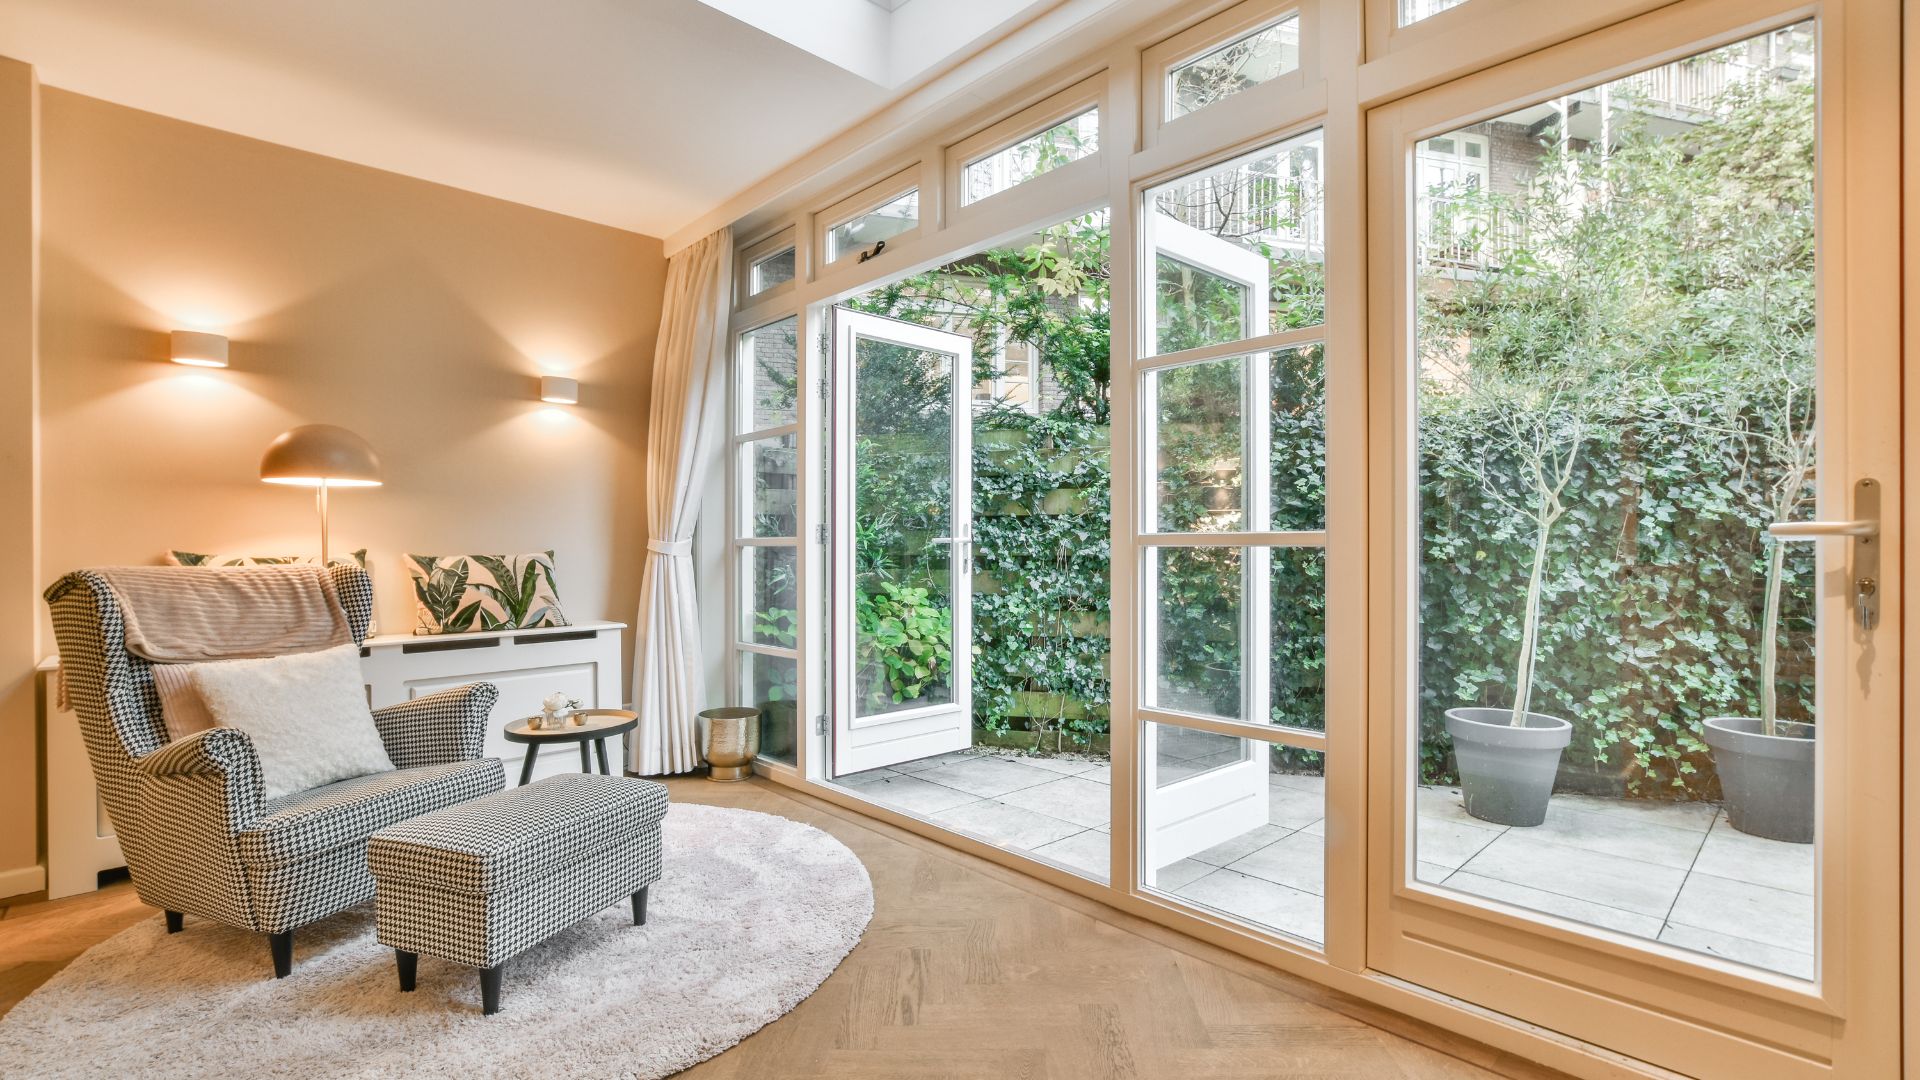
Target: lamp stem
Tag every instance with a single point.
(320, 499)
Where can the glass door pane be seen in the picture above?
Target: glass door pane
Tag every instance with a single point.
(1616, 397)
(903, 531)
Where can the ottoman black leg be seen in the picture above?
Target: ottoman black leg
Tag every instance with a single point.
(586, 763)
(640, 906)
(526, 767)
(174, 921)
(282, 946)
(600, 748)
(409, 964)
(490, 990)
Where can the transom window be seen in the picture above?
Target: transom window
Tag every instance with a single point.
(1245, 62)
(884, 222)
(1037, 154)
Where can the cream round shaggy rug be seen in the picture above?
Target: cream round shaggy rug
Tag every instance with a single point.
(753, 913)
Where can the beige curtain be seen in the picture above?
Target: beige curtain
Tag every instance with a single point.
(688, 378)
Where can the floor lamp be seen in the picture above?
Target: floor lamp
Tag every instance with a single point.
(320, 456)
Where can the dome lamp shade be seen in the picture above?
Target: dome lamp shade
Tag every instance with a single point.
(320, 455)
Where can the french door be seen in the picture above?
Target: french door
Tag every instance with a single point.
(901, 541)
(1636, 452)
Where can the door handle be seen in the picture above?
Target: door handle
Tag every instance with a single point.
(962, 548)
(1808, 530)
(1864, 530)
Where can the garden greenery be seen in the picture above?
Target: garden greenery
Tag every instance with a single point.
(1644, 348)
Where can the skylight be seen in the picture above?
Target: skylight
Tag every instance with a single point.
(886, 42)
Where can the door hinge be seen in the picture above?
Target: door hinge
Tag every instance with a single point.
(820, 724)
(820, 533)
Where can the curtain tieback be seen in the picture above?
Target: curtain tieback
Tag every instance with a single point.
(671, 547)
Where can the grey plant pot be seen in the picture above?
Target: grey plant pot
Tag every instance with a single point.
(1768, 780)
(1506, 772)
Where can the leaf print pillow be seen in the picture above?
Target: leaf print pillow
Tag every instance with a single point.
(457, 594)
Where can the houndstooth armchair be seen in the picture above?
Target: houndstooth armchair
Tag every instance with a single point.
(197, 835)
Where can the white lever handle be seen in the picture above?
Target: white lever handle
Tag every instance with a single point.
(1797, 530)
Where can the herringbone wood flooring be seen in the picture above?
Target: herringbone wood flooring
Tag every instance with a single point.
(970, 971)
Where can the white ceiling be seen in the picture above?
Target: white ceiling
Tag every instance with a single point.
(640, 114)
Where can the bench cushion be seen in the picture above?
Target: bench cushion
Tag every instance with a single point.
(493, 844)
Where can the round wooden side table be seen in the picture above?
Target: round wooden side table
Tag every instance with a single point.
(600, 725)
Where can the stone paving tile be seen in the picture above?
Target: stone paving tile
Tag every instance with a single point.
(1068, 798)
(988, 777)
(1776, 917)
(1740, 950)
(1291, 808)
(1177, 874)
(1239, 847)
(1003, 825)
(1301, 914)
(1626, 835)
(1678, 815)
(1520, 858)
(1444, 842)
(936, 761)
(1570, 907)
(1730, 853)
(1298, 861)
(1065, 764)
(1089, 852)
(912, 794)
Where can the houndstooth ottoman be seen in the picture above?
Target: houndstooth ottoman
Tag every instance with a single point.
(483, 881)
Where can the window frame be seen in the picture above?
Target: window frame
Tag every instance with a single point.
(748, 258)
(1028, 122)
(1241, 111)
(860, 204)
(1369, 64)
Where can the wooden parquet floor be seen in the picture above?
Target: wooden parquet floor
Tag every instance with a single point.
(970, 971)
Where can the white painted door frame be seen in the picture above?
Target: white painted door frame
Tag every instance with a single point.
(872, 741)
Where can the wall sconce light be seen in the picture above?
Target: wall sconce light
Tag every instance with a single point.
(196, 349)
(555, 390)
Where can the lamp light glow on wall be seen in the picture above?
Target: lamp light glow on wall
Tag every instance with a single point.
(197, 349)
(555, 390)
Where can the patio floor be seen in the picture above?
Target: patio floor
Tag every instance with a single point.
(1673, 872)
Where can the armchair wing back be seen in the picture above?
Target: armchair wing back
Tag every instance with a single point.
(196, 834)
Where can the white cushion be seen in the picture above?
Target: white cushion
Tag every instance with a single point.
(305, 712)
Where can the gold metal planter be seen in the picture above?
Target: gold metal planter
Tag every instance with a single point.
(733, 741)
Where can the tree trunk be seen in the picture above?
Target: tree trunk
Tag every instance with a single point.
(1530, 626)
(1770, 636)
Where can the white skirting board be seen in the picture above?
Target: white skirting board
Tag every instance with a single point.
(583, 661)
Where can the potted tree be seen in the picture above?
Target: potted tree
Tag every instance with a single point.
(1535, 423)
(1766, 764)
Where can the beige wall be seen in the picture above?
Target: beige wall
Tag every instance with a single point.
(19, 648)
(414, 314)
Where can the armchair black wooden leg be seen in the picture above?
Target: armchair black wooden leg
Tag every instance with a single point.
(175, 920)
(490, 989)
(586, 763)
(409, 964)
(526, 767)
(640, 906)
(600, 749)
(282, 946)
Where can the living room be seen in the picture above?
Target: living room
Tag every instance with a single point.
(899, 538)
